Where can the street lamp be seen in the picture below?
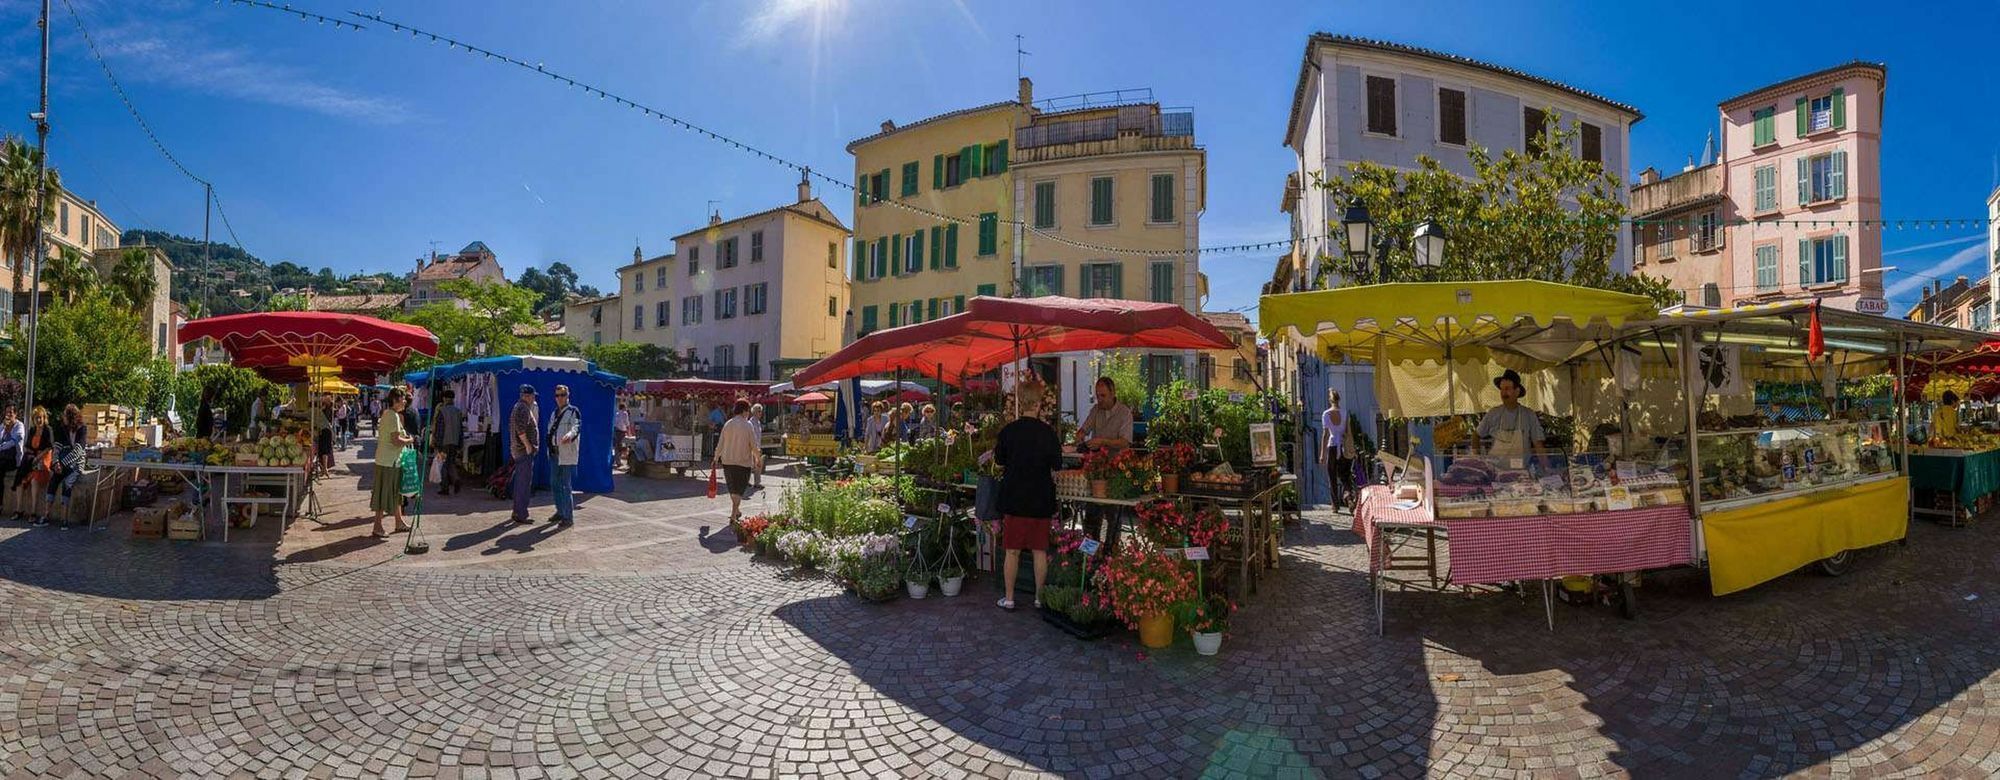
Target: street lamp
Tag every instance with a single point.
(1427, 243)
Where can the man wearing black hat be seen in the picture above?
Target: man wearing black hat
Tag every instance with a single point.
(1513, 429)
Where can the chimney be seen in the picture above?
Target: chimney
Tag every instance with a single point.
(805, 185)
(1027, 96)
(1649, 176)
(714, 218)
(888, 125)
(636, 256)
(1689, 166)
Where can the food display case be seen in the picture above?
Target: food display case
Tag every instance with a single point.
(1470, 486)
(1744, 466)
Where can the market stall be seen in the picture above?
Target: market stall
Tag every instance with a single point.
(488, 388)
(1955, 461)
(678, 420)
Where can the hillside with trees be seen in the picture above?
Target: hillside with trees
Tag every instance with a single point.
(228, 270)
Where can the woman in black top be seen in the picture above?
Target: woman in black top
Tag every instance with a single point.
(69, 439)
(33, 445)
(1030, 452)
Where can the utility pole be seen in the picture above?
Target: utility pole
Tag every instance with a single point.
(207, 273)
(41, 120)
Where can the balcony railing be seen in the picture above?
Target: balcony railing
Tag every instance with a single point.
(1687, 188)
(1090, 99)
(728, 373)
(1142, 121)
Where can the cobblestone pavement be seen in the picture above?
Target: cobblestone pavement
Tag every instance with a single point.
(638, 645)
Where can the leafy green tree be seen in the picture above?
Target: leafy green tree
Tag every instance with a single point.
(1549, 216)
(19, 205)
(89, 350)
(634, 360)
(489, 315)
(69, 275)
(133, 282)
(286, 302)
(234, 389)
(551, 287)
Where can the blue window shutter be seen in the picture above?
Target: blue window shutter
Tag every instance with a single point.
(1805, 181)
(1837, 183)
(1839, 258)
(1839, 108)
(1805, 262)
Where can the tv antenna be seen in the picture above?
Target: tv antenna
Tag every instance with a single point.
(1018, 54)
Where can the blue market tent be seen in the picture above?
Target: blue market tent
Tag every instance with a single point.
(592, 391)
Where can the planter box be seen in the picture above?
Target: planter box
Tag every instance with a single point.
(888, 596)
(1084, 631)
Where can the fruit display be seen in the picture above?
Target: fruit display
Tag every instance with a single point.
(1964, 439)
(274, 451)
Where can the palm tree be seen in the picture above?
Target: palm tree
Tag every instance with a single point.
(133, 280)
(18, 204)
(69, 275)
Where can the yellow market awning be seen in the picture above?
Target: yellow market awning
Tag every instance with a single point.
(334, 386)
(1543, 319)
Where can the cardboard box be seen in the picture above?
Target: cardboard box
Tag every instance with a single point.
(149, 522)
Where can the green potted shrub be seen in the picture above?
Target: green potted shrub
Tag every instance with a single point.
(1206, 620)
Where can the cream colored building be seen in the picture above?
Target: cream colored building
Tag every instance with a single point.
(595, 321)
(474, 263)
(645, 300)
(78, 224)
(910, 263)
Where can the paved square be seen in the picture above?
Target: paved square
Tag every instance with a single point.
(640, 644)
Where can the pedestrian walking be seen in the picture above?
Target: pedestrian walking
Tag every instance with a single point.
(757, 424)
(737, 455)
(448, 441)
(341, 413)
(1029, 452)
(1338, 451)
(565, 439)
(621, 427)
(525, 442)
(386, 497)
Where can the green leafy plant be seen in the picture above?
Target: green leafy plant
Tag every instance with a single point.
(91, 350)
(1203, 616)
(1141, 582)
(1126, 374)
(1175, 417)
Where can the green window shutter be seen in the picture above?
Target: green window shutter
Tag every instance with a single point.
(957, 304)
(916, 312)
(860, 272)
(1805, 262)
(1000, 157)
(937, 172)
(1059, 282)
(1163, 198)
(895, 314)
(1805, 181)
(868, 319)
(896, 254)
(881, 257)
(1839, 258)
(951, 245)
(882, 184)
(937, 247)
(987, 290)
(917, 248)
(930, 313)
(964, 164)
(1117, 279)
(1804, 116)
(989, 233)
(909, 179)
(1837, 182)
(1839, 108)
(977, 153)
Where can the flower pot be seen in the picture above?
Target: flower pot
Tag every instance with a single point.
(1170, 483)
(1156, 631)
(1100, 488)
(918, 589)
(949, 586)
(1208, 643)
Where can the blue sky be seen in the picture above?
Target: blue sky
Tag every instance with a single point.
(356, 150)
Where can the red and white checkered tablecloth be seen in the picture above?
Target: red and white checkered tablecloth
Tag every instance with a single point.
(1503, 549)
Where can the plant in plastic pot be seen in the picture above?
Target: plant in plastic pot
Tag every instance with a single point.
(1140, 585)
(1207, 620)
(950, 579)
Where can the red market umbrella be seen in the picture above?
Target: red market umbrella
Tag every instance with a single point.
(713, 389)
(992, 332)
(283, 346)
(813, 398)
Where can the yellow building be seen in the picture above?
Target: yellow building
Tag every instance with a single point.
(77, 224)
(910, 265)
(1230, 369)
(645, 303)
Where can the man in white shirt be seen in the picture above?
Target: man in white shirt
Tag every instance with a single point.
(736, 454)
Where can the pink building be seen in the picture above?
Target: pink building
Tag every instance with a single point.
(1742, 230)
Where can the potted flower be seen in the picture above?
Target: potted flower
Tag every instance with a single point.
(1099, 466)
(1132, 474)
(1140, 586)
(1161, 522)
(1205, 620)
(950, 579)
(750, 528)
(1172, 461)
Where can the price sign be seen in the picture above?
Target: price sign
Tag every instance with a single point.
(1188, 394)
(1236, 397)
(909, 521)
(943, 508)
(1089, 547)
(1196, 553)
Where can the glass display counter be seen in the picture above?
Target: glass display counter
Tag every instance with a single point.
(1746, 465)
(1469, 485)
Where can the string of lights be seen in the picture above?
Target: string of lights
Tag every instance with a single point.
(304, 16)
(542, 69)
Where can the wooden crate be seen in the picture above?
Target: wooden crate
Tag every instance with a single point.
(149, 522)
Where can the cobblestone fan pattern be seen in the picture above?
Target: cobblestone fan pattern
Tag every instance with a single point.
(149, 659)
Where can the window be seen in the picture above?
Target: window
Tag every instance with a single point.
(750, 363)
(1451, 116)
(1161, 287)
(1103, 280)
(952, 165)
(725, 304)
(832, 307)
(725, 356)
(1822, 177)
(989, 233)
(913, 252)
(596, 339)
(691, 310)
(1711, 295)
(694, 260)
(909, 178)
(756, 297)
(994, 159)
(868, 261)
(660, 314)
(1764, 127)
(725, 254)
(1767, 267)
(65, 217)
(1823, 260)
(1666, 240)
(1241, 371)
(1163, 197)
(875, 187)
(639, 282)
(1767, 188)
(1820, 115)
(660, 277)
(757, 246)
(83, 236)
(1534, 131)
(1043, 280)
(1706, 235)
(597, 315)
(833, 255)
(868, 319)
(1381, 105)
(639, 317)
(1592, 143)
(1161, 369)
(1982, 317)
(987, 290)
(1045, 204)
(1100, 200)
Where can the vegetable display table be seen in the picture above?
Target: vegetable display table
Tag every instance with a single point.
(1964, 476)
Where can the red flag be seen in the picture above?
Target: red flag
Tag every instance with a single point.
(1815, 341)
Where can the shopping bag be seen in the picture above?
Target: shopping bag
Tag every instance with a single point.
(986, 499)
(412, 482)
(711, 482)
(437, 468)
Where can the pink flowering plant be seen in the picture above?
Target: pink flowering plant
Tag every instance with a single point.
(1174, 458)
(1142, 581)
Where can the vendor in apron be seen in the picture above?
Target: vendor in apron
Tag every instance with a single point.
(1512, 428)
